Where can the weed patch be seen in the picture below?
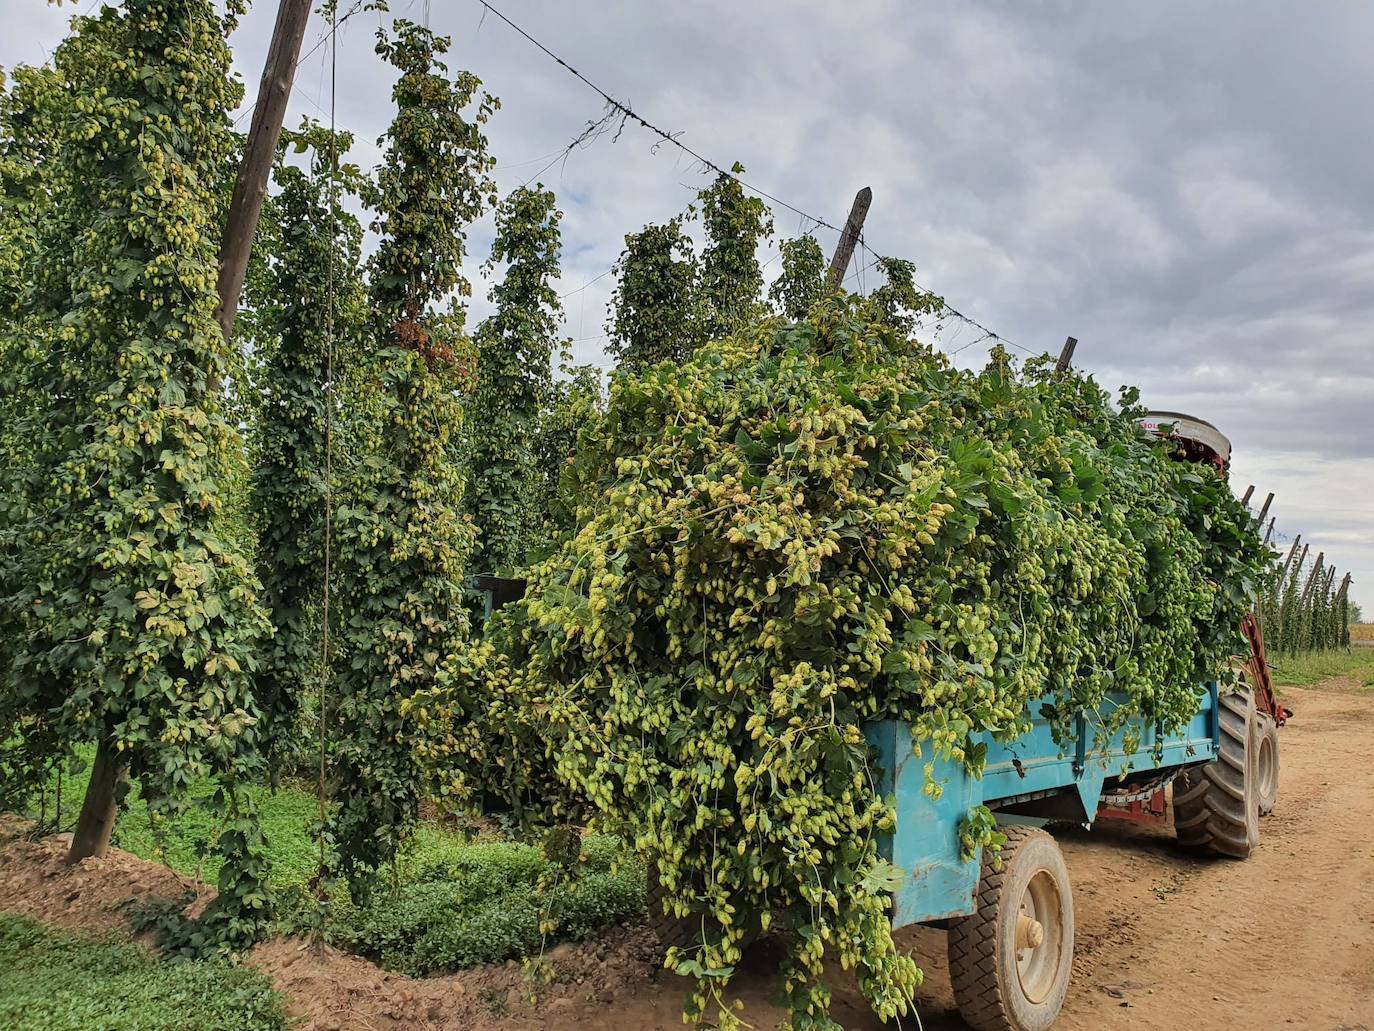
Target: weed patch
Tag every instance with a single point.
(60, 981)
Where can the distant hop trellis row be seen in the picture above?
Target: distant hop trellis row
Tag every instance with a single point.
(1306, 605)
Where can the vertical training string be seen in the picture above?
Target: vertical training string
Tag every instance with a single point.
(328, 432)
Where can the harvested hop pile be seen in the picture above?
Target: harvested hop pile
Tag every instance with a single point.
(805, 528)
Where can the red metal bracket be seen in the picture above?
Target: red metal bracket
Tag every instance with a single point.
(1257, 673)
(1149, 811)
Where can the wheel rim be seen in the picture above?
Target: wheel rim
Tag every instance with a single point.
(1266, 765)
(1038, 954)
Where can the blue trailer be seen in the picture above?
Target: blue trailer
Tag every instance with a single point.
(1010, 916)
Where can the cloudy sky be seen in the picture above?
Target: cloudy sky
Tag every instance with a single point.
(1183, 187)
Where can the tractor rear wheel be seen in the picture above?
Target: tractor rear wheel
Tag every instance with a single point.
(1268, 763)
(1216, 806)
(684, 932)
(1010, 961)
(671, 929)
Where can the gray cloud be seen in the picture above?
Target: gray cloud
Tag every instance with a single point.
(1183, 187)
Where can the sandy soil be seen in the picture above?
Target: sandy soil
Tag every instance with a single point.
(1165, 940)
(97, 894)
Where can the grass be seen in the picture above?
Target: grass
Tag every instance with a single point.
(497, 900)
(1310, 668)
(186, 844)
(451, 902)
(60, 981)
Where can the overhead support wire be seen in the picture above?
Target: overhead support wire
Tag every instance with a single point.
(627, 113)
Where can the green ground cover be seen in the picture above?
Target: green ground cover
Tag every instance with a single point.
(53, 980)
(1310, 668)
(452, 901)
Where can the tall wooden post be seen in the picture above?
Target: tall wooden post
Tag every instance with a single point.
(849, 238)
(91, 836)
(1065, 356)
(1291, 552)
(1312, 576)
(1327, 631)
(250, 190)
(1249, 492)
(1264, 509)
(1343, 629)
(1269, 531)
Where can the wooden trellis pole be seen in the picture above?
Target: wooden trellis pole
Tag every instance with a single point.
(1065, 356)
(849, 238)
(250, 189)
(1343, 628)
(1312, 577)
(1289, 560)
(1302, 559)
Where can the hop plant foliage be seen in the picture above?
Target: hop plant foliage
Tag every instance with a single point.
(652, 314)
(575, 404)
(801, 283)
(731, 281)
(317, 255)
(514, 381)
(435, 177)
(401, 532)
(667, 302)
(807, 527)
(135, 612)
(1306, 606)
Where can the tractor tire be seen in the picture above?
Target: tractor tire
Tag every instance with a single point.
(1216, 806)
(1268, 764)
(1010, 961)
(671, 930)
(684, 932)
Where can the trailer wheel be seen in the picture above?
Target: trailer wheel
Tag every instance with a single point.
(1010, 960)
(684, 932)
(1216, 806)
(1268, 763)
(671, 930)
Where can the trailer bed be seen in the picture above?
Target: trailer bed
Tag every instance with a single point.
(1030, 779)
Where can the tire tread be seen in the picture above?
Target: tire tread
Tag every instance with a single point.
(1212, 802)
(973, 947)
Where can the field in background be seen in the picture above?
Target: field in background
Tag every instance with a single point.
(1362, 633)
(1353, 668)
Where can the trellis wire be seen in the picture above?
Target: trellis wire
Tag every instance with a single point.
(328, 445)
(627, 114)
